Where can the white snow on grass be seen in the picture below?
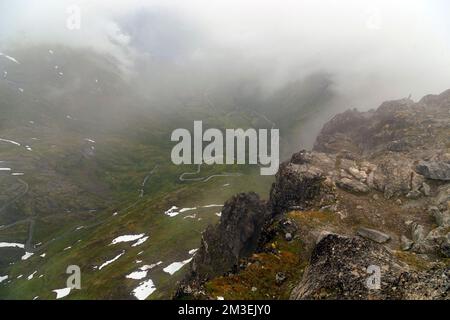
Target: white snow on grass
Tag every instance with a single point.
(28, 148)
(137, 275)
(174, 267)
(220, 298)
(11, 245)
(5, 169)
(213, 205)
(61, 293)
(144, 290)
(31, 275)
(67, 248)
(174, 211)
(150, 266)
(191, 216)
(89, 140)
(9, 58)
(111, 261)
(140, 241)
(3, 278)
(27, 255)
(10, 141)
(219, 214)
(17, 174)
(193, 251)
(127, 238)
(43, 255)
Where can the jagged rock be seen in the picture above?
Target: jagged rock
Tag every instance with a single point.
(442, 218)
(357, 174)
(443, 198)
(398, 146)
(339, 269)
(434, 170)
(414, 194)
(417, 232)
(296, 185)
(426, 189)
(373, 235)
(406, 243)
(352, 185)
(234, 238)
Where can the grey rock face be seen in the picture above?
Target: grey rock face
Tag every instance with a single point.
(406, 243)
(442, 218)
(352, 185)
(434, 170)
(339, 270)
(295, 185)
(234, 238)
(373, 235)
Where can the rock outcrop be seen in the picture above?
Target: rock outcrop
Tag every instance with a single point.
(353, 268)
(374, 191)
(235, 237)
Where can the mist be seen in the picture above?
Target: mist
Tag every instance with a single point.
(238, 54)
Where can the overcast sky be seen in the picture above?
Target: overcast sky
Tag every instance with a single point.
(382, 49)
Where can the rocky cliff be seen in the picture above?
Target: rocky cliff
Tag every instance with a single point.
(373, 194)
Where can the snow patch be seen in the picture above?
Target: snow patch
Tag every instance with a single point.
(111, 261)
(213, 205)
(137, 275)
(3, 278)
(127, 238)
(11, 245)
(140, 241)
(31, 275)
(61, 293)
(173, 211)
(174, 267)
(144, 290)
(27, 255)
(10, 141)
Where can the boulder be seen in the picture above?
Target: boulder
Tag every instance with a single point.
(442, 218)
(352, 185)
(373, 235)
(406, 243)
(434, 170)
